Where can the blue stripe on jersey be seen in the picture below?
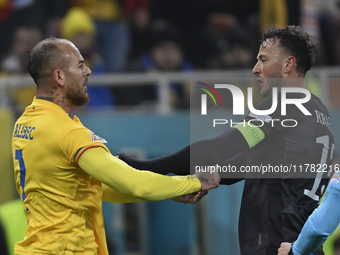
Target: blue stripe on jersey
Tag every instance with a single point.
(75, 156)
(18, 156)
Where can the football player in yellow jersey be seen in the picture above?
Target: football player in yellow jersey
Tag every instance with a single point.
(63, 170)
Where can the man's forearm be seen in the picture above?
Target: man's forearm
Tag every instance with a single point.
(114, 196)
(209, 151)
(177, 163)
(237, 161)
(144, 185)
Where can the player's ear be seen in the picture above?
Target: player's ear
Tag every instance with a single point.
(289, 64)
(59, 77)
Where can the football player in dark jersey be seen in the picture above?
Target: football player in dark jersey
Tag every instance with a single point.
(272, 209)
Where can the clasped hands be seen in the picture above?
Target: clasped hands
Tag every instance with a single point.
(209, 180)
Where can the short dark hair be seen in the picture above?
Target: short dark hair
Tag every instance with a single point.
(296, 42)
(42, 58)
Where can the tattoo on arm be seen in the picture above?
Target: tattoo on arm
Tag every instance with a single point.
(206, 181)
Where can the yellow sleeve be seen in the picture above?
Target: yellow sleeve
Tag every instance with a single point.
(114, 196)
(143, 185)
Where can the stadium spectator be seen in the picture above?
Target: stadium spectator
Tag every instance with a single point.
(189, 17)
(329, 15)
(25, 38)
(79, 28)
(234, 49)
(138, 15)
(113, 35)
(165, 55)
(15, 62)
(40, 13)
(6, 25)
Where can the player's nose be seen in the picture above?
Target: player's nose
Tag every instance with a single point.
(256, 69)
(88, 71)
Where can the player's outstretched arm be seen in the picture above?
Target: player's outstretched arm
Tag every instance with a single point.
(143, 185)
(220, 148)
(114, 196)
(320, 224)
(238, 161)
(176, 163)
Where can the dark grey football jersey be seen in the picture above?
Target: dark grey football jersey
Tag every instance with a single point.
(275, 209)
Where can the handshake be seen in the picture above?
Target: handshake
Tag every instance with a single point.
(209, 180)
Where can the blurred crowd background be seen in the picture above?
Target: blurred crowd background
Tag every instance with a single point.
(120, 36)
(125, 37)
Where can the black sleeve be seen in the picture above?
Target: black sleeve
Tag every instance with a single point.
(217, 149)
(177, 163)
(238, 161)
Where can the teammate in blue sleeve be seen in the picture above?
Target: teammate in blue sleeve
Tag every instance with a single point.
(320, 224)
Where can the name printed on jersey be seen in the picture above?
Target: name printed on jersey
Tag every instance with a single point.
(96, 138)
(24, 132)
(323, 119)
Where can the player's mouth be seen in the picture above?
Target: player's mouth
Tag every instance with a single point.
(261, 82)
(85, 87)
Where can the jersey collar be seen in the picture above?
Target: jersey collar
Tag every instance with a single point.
(49, 105)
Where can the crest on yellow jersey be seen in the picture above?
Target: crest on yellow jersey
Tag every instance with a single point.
(96, 138)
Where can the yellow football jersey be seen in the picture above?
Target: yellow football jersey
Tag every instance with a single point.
(63, 204)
